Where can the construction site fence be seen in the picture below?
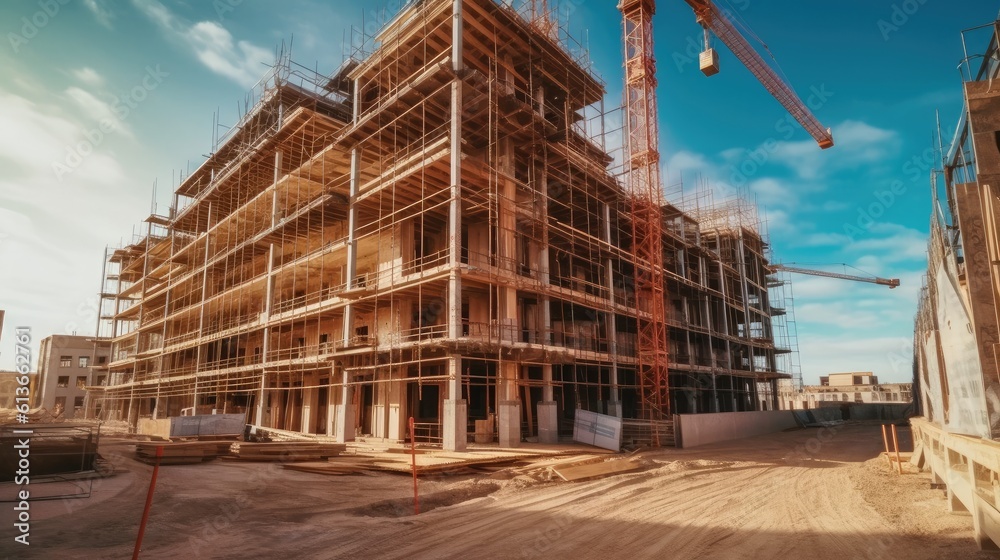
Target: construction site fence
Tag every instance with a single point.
(968, 468)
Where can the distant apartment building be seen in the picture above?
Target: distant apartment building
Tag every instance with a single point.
(848, 387)
(67, 364)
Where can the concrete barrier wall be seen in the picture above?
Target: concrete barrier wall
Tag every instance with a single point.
(207, 425)
(702, 429)
(150, 427)
(833, 411)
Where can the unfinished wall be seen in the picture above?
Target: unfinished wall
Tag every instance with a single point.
(703, 429)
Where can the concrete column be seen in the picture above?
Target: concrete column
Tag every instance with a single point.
(268, 295)
(509, 423)
(614, 405)
(345, 413)
(398, 414)
(352, 242)
(747, 319)
(548, 419)
(506, 243)
(455, 191)
(727, 331)
(710, 324)
(455, 423)
(380, 408)
(310, 402)
(548, 422)
(330, 405)
(543, 253)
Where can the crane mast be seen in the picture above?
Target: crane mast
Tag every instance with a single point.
(643, 184)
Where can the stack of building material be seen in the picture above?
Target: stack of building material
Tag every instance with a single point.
(181, 453)
(577, 467)
(574, 472)
(542, 469)
(437, 463)
(334, 466)
(288, 451)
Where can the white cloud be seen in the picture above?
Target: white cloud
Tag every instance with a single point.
(894, 243)
(834, 205)
(89, 76)
(825, 240)
(774, 192)
(684, 162)
(41, 134)
(213, 45)
(101, 12)
(778, 221)
(857, 143)
(97, 111)
(886, 356)
(242, 62)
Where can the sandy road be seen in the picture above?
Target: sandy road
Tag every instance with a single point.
(803, 493)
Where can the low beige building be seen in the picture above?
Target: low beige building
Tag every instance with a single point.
(847, 387)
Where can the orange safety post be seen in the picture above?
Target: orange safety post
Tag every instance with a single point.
(895, 443)
(149, 503)
(413, 459)
(885, 440)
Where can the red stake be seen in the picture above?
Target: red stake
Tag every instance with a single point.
(413, 456)
(149, 503)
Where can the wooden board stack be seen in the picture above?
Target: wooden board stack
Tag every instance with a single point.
(288, 451)
(181, 453)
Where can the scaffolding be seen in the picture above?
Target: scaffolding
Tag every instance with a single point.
(438, 229)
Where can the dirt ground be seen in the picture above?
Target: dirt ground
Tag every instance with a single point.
(814, 493)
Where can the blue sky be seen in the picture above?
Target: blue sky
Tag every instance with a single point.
(156, 71)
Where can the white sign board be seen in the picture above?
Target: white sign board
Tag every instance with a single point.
(599, 430)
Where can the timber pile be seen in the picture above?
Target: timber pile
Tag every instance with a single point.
(578, 467)
(337, 466)
(428, 463)
(576, 472)
(181, 453)
(288, 451)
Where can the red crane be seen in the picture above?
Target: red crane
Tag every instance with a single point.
(643, 175)
(711, 17)
(644, 186)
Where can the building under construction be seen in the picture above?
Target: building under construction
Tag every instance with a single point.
(437, 230)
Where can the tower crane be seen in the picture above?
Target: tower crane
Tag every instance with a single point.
(643, 182)
(646, 196)
(891, 282)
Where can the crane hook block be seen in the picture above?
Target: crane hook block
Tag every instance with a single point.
(709, 62)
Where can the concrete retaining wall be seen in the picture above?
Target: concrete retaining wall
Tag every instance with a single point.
(832, 412)
(701, 429)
